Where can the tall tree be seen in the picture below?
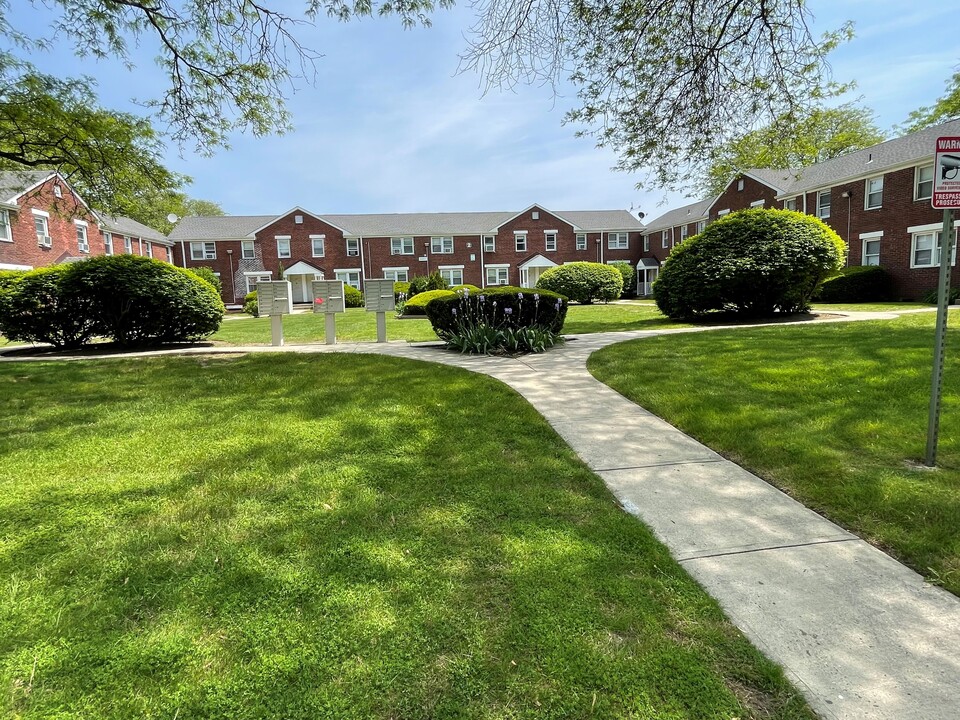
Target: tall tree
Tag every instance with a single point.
(790, 141)
(661, 82)
(946, 108)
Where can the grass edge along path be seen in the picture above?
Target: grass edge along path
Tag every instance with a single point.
(833, 414)
(333, 536)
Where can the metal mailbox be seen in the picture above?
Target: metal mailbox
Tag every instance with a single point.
(274, 297)
(328, 296)
(378, 296)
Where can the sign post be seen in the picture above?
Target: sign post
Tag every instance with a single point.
(946, 197)
(275, 299)
(378, 297)
(328, 299)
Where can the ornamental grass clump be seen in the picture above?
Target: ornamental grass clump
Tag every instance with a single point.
(499, 320)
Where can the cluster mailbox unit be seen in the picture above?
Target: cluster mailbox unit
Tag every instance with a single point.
(275, 299)
(379, 298)
(328, 299)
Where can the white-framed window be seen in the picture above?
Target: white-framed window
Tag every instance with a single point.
(209, 249)
(6, 233)
(550, 240)
(247, 250)
(489, 243)
(353, 249)
(41, 223)
(870, 254)
(646, 243)
(349, 277)
(401, 246)
(739, 184)
(83, 243)
(823, 204)
(298, 219)
(923, 185)
(923, 253)
(581, 241)
(701, 226)
(198, 250)
(684, 232)
(790, 203)
(520, 240)
(873, 197)
(756, 203)
(441, 246)
(254, 278)
(107, 243)
(665, 239)
(57, 191)
(318, 245)
(149, 249)
(498, 274)
(283, 246)
(397, 274)
(453, 274)
(618, 241)
(723, 212)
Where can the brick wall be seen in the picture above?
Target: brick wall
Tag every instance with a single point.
(734, 198)
(25, 248)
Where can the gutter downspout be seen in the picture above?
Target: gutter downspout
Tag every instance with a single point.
(363, 269)
(483, 267)
(183, 254)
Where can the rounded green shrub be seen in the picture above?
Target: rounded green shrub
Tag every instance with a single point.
(425, 283)
(466, 286)
(754, 262)
(35, 307)
(206, 273)
(352, 298)
(141, 301)
(250, 305)
(401, 290)
(629, 275)
(583, 282)
(856, 284)
(417, 305)
(501, 305)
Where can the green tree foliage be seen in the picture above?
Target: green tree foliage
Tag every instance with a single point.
(662, 83)
(792, 140)
(753, 262)
(946, 108)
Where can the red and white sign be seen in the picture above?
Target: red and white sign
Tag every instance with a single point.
(946, 174)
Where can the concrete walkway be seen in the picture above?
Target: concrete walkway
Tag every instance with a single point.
(858, 633)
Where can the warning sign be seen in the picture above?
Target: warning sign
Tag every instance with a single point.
(946, 174)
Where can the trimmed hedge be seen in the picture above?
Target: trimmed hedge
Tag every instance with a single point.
(417, 305)
(466, 286)
(859, 283)
(34, 307)
(401, 290)
(583, 282)
(352, 298)
(250, 304)
(629, 275)
(141, 301)
(502, 306)
(755, 262)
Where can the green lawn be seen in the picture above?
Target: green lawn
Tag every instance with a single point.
(831, 413)
(357, 325)
(333, 537)
(871, 307)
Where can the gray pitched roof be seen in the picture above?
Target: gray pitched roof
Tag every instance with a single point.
(128, 226)
(214, 227)
(385, 225)
(14, 182)
(681, 216)
(780, 180)
(914, 148)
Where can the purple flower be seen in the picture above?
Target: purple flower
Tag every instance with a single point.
(508, 311)
(482, 298)
(520, 296)
(454, 311)
(536, 296)
(466, 292)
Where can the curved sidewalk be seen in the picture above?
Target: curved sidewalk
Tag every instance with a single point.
(862, 636)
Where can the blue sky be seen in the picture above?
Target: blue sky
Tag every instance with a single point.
(389, 125)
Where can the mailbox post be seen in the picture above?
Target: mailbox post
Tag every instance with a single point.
(328, 299)
(275, 299)
(378, 297)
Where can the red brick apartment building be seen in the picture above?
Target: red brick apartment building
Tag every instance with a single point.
(44, 222)
(876, 199)
(480, 248)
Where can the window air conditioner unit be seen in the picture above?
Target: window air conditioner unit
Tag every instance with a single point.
(46, 241)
